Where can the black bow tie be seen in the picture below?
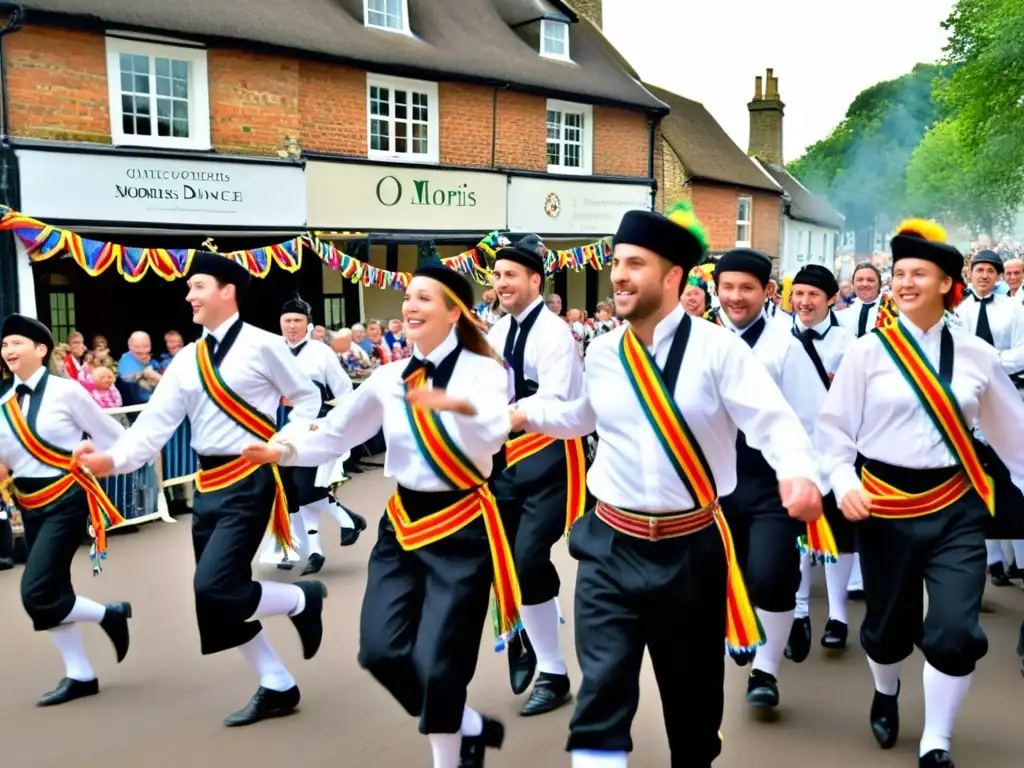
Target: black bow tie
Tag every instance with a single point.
(809, 333)
(987, 300)
(417, 363)
(23, 390)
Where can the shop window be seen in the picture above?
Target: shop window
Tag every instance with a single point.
(744, 220)
(62, 315)
(403, 120)
(392, 15)
(159, 95)
(334, 311)
(570, 137)
(554, 39)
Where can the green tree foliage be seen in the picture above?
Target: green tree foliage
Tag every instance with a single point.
(860, 167)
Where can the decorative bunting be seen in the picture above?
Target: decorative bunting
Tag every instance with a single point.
(94, 257)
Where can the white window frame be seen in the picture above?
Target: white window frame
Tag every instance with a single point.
(403, 30)
(198, 100)
(545, 26)
(748, 222)
(587, 143)
(433, 156)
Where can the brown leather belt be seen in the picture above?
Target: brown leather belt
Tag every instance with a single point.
(657, 527)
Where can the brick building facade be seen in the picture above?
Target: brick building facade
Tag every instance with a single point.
(278, 97)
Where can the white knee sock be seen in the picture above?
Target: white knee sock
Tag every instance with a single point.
(267, 664)
(85, 609)
(340, 515)
(1018, 552)
(943, 696)
(776, 631)
(995, 552)
(68, 640)
(887, 677)
(856, 580)
(446, 748)
(279, 600)
(541, 624)
(592, 758)
(837, 579)
(472, 722)
(803, 593)
(311, 525)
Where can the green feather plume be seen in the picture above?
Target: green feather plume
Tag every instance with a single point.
(682, 214)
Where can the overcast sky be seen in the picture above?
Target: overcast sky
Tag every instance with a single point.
(824, 53)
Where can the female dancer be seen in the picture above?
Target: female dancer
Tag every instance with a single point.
(42, 418)
(441, 543)
(900, 410)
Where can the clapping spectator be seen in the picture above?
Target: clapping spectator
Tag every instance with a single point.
(138, 369)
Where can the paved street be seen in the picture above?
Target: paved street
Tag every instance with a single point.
(163, 706)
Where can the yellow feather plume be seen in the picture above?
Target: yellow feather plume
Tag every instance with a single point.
(929, 230)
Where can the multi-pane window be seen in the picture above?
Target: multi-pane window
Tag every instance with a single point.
(554, 39)
(154, 96)
(62, 315)
(565, 139)
(158, 94)
(334, 311)
(402, 120)
(387, 14)
(744, 218)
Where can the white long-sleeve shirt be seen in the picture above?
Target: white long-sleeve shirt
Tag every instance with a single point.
(258, 368)
(319, 363)
(65, 413)
(721, 387)
(1006, 322)
(550, 358)
(872, 410)
(379, 403)
(849, 318)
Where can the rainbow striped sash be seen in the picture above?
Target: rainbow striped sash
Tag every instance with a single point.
(743, 630)
(940, 404)
(103, 515)
(256, 424)
(531, 443)
(452, 466)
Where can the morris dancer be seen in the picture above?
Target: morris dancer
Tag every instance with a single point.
(652, 576)
(766, 534)
(441, 542)
(44, 417)
(997, 320)
(229, 385)
(542, 489)
(322, 367)
(900, 409)
(825, 341)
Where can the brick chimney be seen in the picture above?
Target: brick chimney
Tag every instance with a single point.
(590, 9)
(766, 112)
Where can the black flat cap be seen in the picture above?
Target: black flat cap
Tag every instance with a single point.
(458, 286)
(226, 270)
(528, 250)
(30, 328)
(819, 277)
(748, 260)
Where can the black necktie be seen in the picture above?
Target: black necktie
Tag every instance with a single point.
(23, 391)
(862, 324)
(984, 330)
(298, 349)
(211, 342)
(510, 340)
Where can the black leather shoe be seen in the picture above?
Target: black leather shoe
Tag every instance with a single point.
(265, 704)
(855, 594)
(315, 564)
(350, 536)
(115, 624)
(6, 563)
(522, 663)
(836, 634)
(937, 758)
(997, 575)
(1015, 573)
(762, 690)
(799, 645)
(69, 690)
(474, 747)
(309, 623)
(549, 693)
(885, 719)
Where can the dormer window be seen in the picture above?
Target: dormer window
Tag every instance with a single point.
(392, 15)
(554, 39)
